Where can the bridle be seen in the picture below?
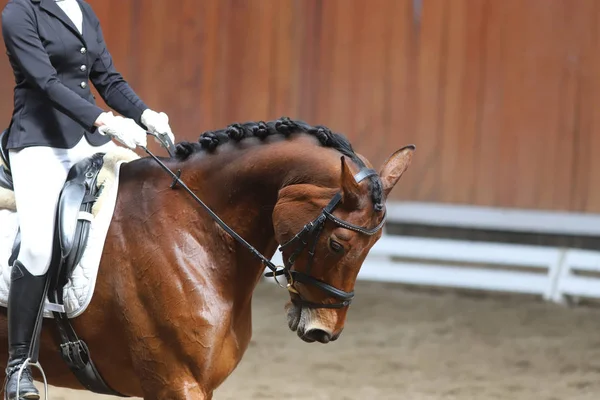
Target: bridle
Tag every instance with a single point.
(309, 235)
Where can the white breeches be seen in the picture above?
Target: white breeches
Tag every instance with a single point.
(39, 173)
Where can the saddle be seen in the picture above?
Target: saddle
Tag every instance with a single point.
(72, 226)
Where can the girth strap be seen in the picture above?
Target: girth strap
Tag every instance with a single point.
(76, 354)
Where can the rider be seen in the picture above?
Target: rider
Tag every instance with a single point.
(55, 47)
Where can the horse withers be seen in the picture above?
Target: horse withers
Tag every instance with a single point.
(171, 313)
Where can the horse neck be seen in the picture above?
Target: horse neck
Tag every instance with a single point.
(241, 186)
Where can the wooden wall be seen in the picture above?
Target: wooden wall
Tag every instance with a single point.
(501, 97)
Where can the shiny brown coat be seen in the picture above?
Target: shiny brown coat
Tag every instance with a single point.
(171, 313)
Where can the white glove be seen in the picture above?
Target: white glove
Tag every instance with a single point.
(157, 123)
(125, 130)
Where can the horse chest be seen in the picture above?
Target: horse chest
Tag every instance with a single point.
(228, 352)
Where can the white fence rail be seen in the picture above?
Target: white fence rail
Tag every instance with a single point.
(579, 275)
(463, 264)
(511, 220)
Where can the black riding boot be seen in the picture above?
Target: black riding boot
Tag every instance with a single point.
(25, 303)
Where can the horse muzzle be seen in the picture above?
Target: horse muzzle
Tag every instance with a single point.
(307, 325)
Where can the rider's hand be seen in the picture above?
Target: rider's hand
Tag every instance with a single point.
(157, 123)
(125, 130)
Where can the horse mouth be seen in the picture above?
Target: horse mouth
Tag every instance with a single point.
(294, 314)
(299, 319)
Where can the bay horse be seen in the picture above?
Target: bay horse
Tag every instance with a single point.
(171, 313)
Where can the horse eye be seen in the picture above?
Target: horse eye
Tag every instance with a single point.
(335, 246)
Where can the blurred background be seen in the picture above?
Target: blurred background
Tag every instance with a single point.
(485, 284)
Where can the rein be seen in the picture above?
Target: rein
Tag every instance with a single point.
(310, 233)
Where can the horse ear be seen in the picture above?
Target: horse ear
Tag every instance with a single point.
(394, 167)
(350, 188)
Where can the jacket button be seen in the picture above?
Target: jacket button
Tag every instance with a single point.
(83, 85)
(83, 68)
(83, 50)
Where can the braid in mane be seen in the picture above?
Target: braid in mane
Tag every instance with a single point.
(210, 140)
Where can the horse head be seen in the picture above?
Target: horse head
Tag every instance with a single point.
(325, 233)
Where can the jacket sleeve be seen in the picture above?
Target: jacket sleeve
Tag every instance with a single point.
(25, 47)
(111, 85)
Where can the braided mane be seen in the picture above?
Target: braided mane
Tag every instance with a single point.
(210, 140)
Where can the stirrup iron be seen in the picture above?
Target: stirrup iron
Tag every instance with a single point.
(19, 373)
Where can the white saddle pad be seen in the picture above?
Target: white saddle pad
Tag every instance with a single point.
(80, 288)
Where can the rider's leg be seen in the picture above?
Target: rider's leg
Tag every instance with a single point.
(38, 175)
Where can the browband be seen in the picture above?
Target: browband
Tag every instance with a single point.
(364, 174)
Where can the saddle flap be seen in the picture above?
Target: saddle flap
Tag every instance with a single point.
(74, 216)
(68, 207)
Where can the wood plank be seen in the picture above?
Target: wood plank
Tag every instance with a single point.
(382, 96)
(506, 168)
(490, 125)
(593, 198)
(243, 63)
(583, 132)
(370, 74)
(249, 60)
(559, 184)
(151, 38)
(429, 112)
(286, 63)
(309, 12)
(538, 116)
(472, 90)
(336, 68)
(324, 79)
(234, 60)
(452, 151)
(197, 37)
(400, 118)
(118, 33)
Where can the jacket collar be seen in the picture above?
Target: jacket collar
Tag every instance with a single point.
(51, 7)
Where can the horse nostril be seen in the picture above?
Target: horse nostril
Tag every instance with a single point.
(318, 335)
